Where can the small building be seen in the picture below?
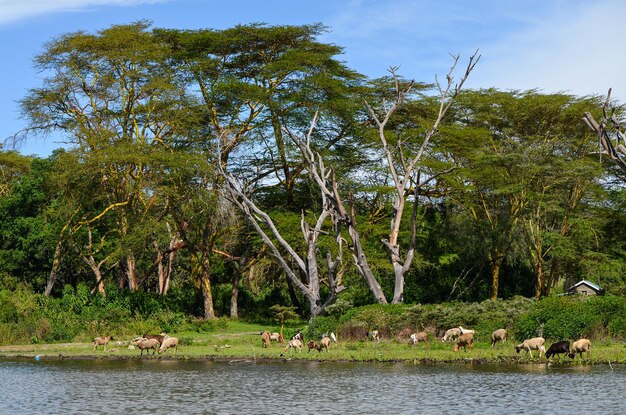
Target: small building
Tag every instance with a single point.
(584, 287)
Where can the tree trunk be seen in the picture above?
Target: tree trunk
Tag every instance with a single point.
(131, 272)
(99, 282)
(494, 268)
(165, 270)
(364, 269)
(234, 294)
(95, 268)
(540, 289)
(398, 290)
(56, 264)
(207, 295)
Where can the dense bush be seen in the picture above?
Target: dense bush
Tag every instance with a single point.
(79, 316)
(569, 318)
(555, 318)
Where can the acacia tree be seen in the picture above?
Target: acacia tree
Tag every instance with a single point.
(12, 167)
(118, 104)
(249, 82)
(523, 172)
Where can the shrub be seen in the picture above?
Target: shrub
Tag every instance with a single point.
(321, 325)
(560, 318)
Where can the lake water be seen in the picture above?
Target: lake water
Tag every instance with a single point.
(202, 387)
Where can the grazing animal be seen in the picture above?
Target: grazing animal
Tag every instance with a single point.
(580, 346)
(373, 335)
(558, 348)
(101, 341)
(159, 337)
(451, 334)
(298, 336)
(324, 344)
(463, 341)
(536, 343)
(330, 335)
(415, 338)
(168, 343)
(498, 336)
(275, 337)
(146, 344)
(295, 344)
(265, 339)
(464, 331)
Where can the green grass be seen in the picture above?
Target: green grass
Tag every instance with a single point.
(238, 340)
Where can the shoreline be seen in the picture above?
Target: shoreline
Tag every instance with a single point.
(244, 346)
(419, 361)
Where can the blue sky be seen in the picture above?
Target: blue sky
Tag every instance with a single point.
(561, 45)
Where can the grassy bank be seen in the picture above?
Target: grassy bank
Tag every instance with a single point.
(31, 324)
(241, 341)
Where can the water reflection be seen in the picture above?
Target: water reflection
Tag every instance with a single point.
(202, 387)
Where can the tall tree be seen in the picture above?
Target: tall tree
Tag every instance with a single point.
(524, 171)
(12, 166)
(250, 81)
(118, 104)
(308, 265)
(403, 164)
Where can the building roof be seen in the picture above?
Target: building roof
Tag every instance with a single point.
(590, 284)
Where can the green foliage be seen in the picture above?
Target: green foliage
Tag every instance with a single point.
(321, 325)
(283, 313)
(519, 187)
(77, 314)
(556, 318)
(573, 317)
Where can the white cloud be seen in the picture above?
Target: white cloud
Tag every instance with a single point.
(15, 10)
(572, 46)
(578, 50)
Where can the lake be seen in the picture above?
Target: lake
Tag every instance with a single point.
(204, 387)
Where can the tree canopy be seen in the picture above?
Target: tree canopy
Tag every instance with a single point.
(232, 170)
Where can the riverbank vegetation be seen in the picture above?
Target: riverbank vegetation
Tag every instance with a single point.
(214, 173)
(78, 316)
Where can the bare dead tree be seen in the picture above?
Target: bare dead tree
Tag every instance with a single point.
(616, 152)
(291, 261)
(333, 206)
(403, 167)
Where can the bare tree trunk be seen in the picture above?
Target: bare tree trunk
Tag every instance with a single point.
(234, 295)
(95, 268)
(616, 152)
(131, 272)
(402, 170)
(308, 266)
(167, 278)
(56, 264)
(362, 265)
(165, 270)
(333, 206)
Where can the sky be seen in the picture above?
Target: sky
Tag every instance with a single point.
(570, 46)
